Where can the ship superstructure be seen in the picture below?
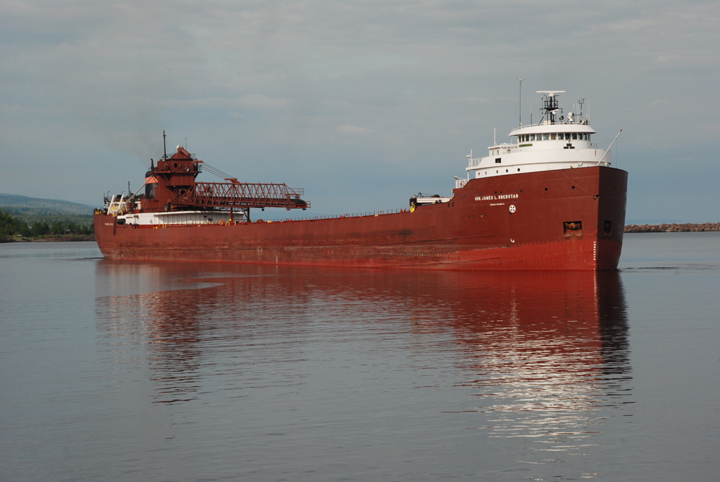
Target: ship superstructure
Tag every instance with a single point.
(557, 142)
(173, 196)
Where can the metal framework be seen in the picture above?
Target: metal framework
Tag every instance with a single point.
(241, 196)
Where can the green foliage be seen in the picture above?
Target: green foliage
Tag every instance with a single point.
(12, 226)
(34, 210)
(31, 219)
(39, 229)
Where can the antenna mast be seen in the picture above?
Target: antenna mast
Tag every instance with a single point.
(550, 104)
(520, 103)
(164, 146)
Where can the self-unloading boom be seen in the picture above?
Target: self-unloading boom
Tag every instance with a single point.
(241, 195)
(170, 186)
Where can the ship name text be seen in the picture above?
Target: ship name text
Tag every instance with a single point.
(495, 197)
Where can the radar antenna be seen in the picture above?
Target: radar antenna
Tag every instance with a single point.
(551, 93)
(550, 104)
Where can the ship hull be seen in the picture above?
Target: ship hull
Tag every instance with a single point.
(556, 220)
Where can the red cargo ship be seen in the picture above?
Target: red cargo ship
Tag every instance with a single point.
(549, 200)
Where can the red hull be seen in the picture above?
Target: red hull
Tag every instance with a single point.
(515, 222)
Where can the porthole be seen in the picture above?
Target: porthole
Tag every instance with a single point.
(573, 187)
(518, 169)
(546, 189)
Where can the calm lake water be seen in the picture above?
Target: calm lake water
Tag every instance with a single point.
(168, 372)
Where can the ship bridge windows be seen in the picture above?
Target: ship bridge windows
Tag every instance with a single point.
(553, 136)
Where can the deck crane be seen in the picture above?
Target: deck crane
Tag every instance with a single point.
(170, 186)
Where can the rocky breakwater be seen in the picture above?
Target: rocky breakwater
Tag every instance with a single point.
(671, 228)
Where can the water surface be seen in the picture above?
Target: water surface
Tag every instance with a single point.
(143, 371)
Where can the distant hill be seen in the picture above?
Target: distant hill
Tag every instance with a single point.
(42, 206)
(31, 210)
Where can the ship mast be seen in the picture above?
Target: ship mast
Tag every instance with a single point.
(550, 104)
(520, 103)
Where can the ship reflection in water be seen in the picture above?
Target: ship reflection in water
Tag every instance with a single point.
(543, 351)
(541, 355)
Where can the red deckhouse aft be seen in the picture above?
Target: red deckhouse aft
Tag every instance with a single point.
(170, 187)
(550, 200)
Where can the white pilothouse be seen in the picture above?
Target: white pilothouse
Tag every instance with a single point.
(556, 142)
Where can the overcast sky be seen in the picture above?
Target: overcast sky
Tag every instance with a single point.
(362, 104)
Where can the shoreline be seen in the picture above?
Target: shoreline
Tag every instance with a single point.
(49, 238)
(672, 228)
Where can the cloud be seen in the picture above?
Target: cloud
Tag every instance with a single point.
(474, 100)
(250, 102)
(431, 79)
(352, 130)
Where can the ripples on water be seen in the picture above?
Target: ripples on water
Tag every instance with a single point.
(540, 354)
(204, 372)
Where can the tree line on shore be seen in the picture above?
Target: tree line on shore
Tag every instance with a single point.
(11, 226)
